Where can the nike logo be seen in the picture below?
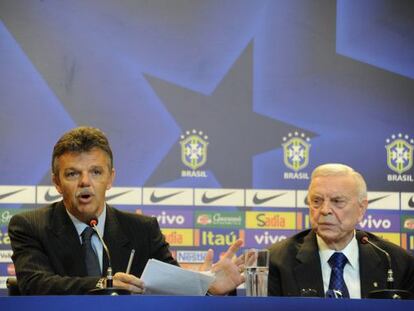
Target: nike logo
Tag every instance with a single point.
(411, 202)
(49, 197)
(156, 199)
(110, 197)
(206, 200)
(377, 199)
(5, 195)
(257, 200)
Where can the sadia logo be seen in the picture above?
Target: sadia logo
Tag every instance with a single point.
(194, 153)
(296, 155)
(400, 157)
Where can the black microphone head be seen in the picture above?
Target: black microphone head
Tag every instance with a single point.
(364, 239)
(93, 222)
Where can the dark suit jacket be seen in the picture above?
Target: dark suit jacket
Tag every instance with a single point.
(295, 265)
(47, 250)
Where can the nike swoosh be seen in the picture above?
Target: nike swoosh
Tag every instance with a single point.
(5, 195)
(156, 199)
(258, 201)
(377, 199)
(205, 199)
(411, 202)
(110, 197)
(50, 198)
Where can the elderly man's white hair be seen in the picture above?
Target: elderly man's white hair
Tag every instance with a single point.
(338, 169)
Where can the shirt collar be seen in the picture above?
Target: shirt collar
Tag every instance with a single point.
(80, 226)
(351, 251)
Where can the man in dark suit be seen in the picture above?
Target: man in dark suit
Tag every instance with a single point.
(48, 245)
(305, 264)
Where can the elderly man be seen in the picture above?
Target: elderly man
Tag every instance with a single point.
(55, 251)
(329, 260)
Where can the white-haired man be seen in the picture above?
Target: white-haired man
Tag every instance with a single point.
(329, 260)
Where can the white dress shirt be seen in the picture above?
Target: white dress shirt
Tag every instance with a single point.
(351, 269)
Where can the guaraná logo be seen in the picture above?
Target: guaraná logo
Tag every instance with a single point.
(400, 153)
(194, 152)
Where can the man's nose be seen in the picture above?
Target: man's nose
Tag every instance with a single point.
(326, 207)
(84, 180)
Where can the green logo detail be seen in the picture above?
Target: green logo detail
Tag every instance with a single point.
(296, 151)
(399, 153)
(206, 219)
(194, 149)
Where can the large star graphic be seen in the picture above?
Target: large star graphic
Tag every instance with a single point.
(235, 132)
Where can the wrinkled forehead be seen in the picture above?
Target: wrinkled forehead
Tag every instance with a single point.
(334, 186)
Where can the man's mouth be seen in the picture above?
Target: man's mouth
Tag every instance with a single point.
(85, 196)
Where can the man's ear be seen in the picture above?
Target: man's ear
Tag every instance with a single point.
(56, 182)
(112, 178)
(363, 208)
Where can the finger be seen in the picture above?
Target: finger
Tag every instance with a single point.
(231, 252)
(208, 261)
(129, 279)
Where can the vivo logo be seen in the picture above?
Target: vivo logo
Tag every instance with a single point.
(267, 239)
(373, 223)
(165, 219)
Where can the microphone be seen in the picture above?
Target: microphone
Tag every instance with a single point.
(93, 223)
(390, 274)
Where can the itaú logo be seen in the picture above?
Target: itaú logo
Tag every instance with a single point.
(219, 239)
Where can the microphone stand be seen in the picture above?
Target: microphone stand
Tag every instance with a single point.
(389, 292)
(109, 289)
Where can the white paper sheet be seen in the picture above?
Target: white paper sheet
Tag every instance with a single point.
(161, 278)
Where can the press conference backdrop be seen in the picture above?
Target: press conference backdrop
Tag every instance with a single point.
(217, 111)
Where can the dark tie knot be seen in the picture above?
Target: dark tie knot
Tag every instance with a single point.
(338, 260)
(87, 234)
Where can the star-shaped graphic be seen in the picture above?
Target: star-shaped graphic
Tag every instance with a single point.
(236, 133)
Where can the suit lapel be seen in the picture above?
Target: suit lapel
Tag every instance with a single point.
(118, 243)
(308, 272)
(65, 244)
(371, 270)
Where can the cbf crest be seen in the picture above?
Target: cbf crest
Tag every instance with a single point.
(296, 152)
(400, 153)
(194, 152)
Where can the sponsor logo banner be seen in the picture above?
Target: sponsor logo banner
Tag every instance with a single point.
(407, 223)
(219, 197)
(220, 237)
(190, 256)
(208, 219)
(380, 222)
(264, 238)
(47, 194)
(18, 194)
(384, 200)
(168, 196)
(171, 218)
(124, 196)
(393, 237)
(409, 238)
(5, 256)
(271, 220)
(4, 238)
(301, 198)
(7, 213)
(407, 201)
(180, 237)
(270, 198)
